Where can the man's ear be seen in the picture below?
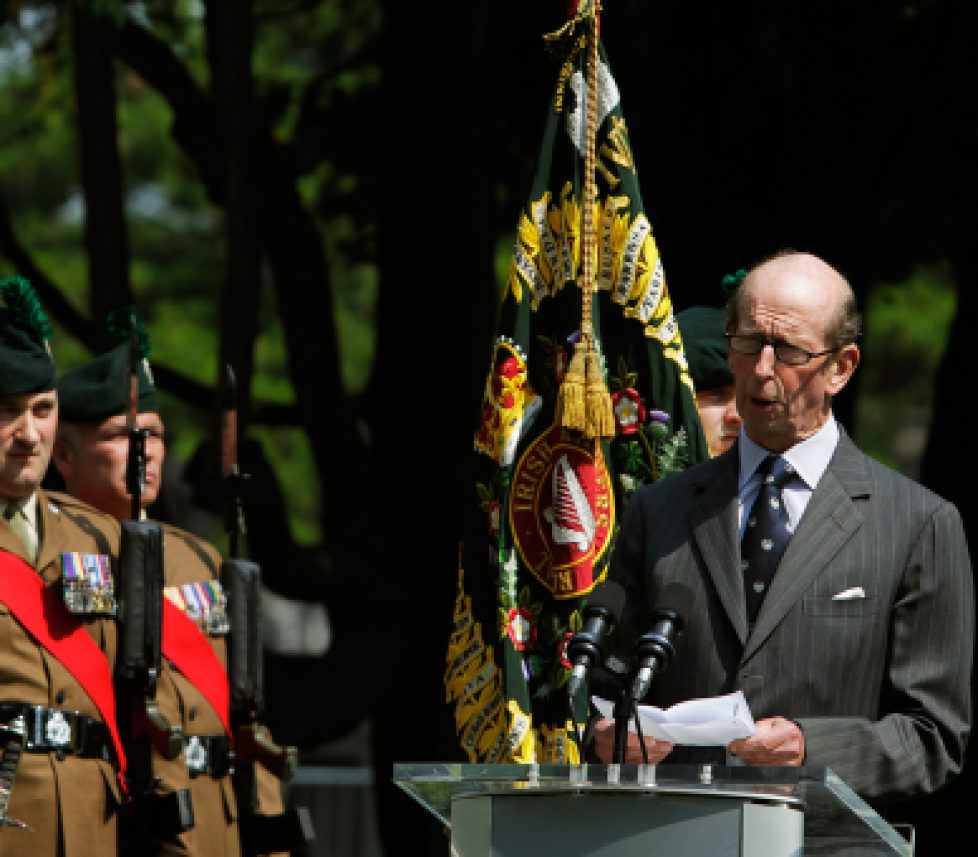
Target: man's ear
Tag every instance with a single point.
(841, 368)
(63, 456)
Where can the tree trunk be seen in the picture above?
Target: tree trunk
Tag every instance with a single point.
(106, 240)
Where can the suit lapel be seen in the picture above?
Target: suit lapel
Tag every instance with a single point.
(713, 522)
(830, 520)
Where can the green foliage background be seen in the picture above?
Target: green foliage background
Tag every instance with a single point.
(175, 232)
(907, 329)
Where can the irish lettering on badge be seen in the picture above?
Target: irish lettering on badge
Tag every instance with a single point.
(562, 512)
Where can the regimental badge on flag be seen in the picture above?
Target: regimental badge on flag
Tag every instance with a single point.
(547, 498)
(204, 602)
(87, 583)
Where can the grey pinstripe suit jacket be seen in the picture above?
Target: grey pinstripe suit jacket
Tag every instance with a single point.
(880, 685)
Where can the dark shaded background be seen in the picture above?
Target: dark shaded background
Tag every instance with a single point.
(846, 129)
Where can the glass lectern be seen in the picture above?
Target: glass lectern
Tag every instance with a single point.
(625, 810)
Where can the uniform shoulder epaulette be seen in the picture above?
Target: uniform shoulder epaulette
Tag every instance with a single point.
(76, 506)
(198, 545)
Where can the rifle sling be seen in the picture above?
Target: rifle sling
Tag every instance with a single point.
(186, 646)
(39, 609)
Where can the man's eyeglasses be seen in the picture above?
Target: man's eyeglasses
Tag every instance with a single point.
(793, 355)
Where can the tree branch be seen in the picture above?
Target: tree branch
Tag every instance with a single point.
(85, 331)
(297, 258)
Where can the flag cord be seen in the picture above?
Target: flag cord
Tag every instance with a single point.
(583, 402)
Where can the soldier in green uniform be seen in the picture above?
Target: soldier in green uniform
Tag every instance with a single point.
(91, 453)
(55, 665)
(706, 352)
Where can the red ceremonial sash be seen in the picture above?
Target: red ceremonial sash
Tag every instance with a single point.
(39, 609)
(191, 653)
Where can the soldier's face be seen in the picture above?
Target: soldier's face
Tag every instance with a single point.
(93, 463)
(718, 413)
(27, 428)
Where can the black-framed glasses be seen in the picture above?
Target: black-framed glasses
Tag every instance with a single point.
(793, 355)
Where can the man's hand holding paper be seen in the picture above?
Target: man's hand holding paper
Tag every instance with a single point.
(716, 721)
(776, 741)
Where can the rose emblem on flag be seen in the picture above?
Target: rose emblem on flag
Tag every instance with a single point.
(494, 511)
(629, 410)
(562, 651)
(521, 627)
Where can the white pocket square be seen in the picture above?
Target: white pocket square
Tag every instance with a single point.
(850, 594)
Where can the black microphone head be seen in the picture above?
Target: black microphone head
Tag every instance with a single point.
(607, 597)
(675, 598)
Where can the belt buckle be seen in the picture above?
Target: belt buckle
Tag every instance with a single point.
(195, 753)
(57, 729)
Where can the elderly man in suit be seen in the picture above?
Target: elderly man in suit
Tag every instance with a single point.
(835, 593)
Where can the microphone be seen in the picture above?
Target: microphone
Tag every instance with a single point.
(600, 617)
(655, 650)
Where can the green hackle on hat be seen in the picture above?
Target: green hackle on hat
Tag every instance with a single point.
(119, 323)
(732, 281)
(97, 390)
(26, 366)
(25, 309)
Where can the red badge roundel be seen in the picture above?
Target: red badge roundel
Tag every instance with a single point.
(562, 512)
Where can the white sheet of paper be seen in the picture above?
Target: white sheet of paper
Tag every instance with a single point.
(711, 722)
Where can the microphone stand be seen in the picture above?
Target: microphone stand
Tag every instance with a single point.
(626, 708)
(577, 729)
(623, 713)
(638, 731)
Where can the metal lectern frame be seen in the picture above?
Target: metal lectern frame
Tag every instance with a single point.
(827, 817)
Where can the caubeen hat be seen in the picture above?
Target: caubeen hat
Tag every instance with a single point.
(706, 349)
(96, 390)
(26, 365)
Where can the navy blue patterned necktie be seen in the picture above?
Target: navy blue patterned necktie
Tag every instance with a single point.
(767, 533)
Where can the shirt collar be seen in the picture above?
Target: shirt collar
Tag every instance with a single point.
(810, 458)
(28, 507)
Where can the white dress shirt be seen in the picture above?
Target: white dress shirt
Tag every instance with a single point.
(810, 458)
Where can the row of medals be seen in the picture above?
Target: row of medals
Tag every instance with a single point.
(81, 597)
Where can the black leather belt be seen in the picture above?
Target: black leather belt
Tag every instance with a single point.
(52, 730)
(208, 754)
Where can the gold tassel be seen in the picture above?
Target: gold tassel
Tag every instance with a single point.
(570, 398)
(600, 415)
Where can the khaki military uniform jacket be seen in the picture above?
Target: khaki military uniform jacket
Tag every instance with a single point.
(73, 804)
(188, 559)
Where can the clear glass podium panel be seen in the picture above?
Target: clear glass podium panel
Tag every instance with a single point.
(837, 820)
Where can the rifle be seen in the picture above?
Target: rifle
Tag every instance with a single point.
(259, 833)
(140, 661)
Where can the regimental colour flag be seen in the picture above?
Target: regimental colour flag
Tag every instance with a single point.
(546, 498)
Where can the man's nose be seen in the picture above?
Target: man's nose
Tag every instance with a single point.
(26, 431)
(765, 361)
(731, 414)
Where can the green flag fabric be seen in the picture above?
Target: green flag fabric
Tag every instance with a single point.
(546, 503)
